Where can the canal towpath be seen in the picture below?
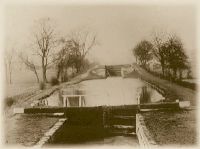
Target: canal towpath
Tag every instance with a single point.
(178, 91)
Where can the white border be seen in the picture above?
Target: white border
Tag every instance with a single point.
(3, 3)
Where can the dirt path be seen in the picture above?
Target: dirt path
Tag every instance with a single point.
(181, 92)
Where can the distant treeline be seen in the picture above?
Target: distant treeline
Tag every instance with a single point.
(166, 58)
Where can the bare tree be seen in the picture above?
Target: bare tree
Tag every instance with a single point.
(30, 65)
(9, 64)
(45, 43)
(73, 52)
(82, 42)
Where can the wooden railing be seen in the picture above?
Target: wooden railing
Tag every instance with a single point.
(66, 102)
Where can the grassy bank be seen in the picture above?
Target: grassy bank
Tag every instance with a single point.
(171, 127)
(26, 130)
(175, 128)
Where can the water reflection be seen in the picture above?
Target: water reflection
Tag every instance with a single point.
(149, 95)
(110, 92)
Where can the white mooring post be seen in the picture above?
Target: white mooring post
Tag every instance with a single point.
(64, 101)
(78, 101)
(138, 101)
(67, 103)
(184, 104)
(18, 110)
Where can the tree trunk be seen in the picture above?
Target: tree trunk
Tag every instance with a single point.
(180, 74)
(36, 75)
(162, 62)
(59, 71)
(174, 73)
(10, 72)
(44, 70)
(10, 77)
(58, 74)
(44, 75)
(163, 70)
(188, 74)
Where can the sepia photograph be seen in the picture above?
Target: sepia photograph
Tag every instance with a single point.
(99, 74)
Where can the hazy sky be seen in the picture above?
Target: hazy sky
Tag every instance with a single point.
(118, 28)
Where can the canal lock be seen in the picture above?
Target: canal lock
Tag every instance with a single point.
(94, 124)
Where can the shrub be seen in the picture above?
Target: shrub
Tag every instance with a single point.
(190, 85)
(54, 81)
(9, 101)
(42, 85)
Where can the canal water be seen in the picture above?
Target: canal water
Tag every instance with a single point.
(112, 91)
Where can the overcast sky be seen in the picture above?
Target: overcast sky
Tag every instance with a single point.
(119, 28)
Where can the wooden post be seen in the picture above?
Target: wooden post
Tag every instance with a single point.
(105, 71)
(80, 105)
(64, 101)
(67, 103)
(138, 102)
(104, 110)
